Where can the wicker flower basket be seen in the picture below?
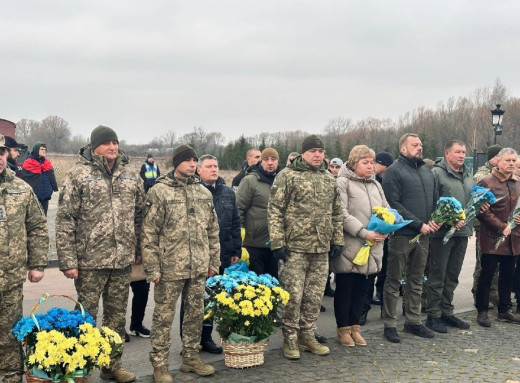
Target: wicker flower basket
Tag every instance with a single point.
(34, 379)
(244, 355)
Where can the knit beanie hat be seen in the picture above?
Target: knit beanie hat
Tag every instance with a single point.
(384, 158)
(269, 152)
(493, 151)
(101, 135)
(182, 153)
(312, 142)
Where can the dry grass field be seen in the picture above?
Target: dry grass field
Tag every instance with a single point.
(63, 162)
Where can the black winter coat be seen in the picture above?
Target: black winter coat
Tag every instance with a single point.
(410, 188)
(228, 220)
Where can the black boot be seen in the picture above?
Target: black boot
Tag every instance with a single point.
(363, 318)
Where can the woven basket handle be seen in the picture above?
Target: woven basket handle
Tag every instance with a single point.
(47, 296)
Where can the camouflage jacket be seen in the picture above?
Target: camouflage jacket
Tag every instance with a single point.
(304, 210)
(23, 231)
(99, 214)
(180, 233)
(482, 172)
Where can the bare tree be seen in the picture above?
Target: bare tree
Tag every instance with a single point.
(24, 128)
(169, 138)
(56, 133)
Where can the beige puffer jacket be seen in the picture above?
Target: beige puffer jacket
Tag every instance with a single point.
(358, 196)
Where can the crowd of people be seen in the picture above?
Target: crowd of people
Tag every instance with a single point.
(302, 224)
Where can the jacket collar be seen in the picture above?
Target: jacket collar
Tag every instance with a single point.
(502, 177)
(409, 162)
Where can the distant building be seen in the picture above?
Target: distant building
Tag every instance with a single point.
(7, 128)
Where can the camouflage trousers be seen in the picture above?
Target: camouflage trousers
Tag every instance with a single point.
(166, 294)
(11, 366)
(112, 286)
(493, 294)
(304, 276)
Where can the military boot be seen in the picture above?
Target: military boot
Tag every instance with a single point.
(483, 320)
(344, 336)
(290, 349)
(309, 343)
(356, 336)
(196, 365)
(120, 375)
(161, 374)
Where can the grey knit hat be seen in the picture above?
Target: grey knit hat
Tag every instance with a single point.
(101, 135)
(182, 153)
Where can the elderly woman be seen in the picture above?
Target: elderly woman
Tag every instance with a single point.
(359, 193)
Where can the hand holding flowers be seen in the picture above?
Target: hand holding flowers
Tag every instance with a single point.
(480, 201)
(382, 222)
(448, 211)
(512, 222)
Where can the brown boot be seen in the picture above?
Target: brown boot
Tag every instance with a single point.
(120, 375)
(162, 375)
(196, 365)
(344, 336)
(356, 336)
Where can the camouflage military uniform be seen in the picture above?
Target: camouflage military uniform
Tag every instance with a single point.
(23, 245)
(305, 216)
(97, 229)
(493, 295)
(179, 242)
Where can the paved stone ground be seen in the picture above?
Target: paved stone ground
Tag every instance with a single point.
(475, 355)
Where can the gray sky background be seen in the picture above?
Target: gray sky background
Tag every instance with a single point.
(146, 67)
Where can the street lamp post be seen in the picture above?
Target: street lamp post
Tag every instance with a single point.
(497, 115)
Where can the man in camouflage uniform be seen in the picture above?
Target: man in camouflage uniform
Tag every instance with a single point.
(180, 246)
(492, 154)
(97, 231)
(305, 228)
(23, 246)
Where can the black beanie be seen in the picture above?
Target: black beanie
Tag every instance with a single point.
(182, 153)
(101, 135)
(312, 142)
(493, 151)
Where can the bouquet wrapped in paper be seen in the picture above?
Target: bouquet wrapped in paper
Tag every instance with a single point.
(510, 223)
(479, 196)
(448, 210)
(384, 221)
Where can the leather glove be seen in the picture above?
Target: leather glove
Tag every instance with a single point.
(280, 254)
(335, 251)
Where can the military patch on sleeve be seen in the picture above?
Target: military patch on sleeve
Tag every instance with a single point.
(275, 185)
(148, 203)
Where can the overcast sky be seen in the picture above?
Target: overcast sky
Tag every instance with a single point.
(146, 67)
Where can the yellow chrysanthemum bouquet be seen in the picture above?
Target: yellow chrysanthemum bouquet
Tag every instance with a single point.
(64, 345)
(244, 304)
